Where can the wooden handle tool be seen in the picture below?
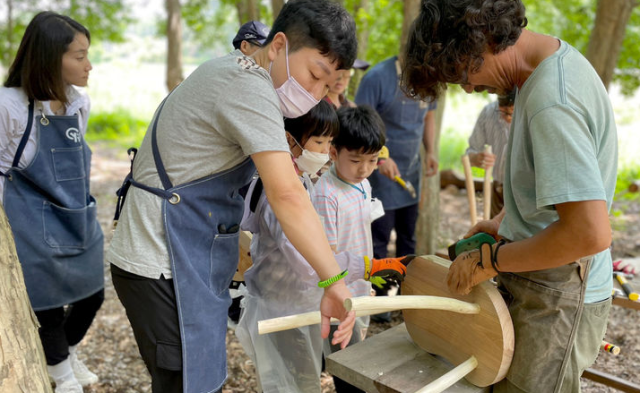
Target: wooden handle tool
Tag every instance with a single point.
(471, 190)
(486, 186)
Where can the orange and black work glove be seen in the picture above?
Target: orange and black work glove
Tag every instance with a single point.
(473, 267)
(377, 270)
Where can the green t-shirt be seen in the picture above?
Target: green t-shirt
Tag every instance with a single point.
(563, 148)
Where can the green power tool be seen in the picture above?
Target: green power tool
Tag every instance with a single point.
(471, 243)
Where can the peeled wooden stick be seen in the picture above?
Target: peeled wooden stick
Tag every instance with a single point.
(379, 304)
(369, 305)
(486, 186)
(608, 347)
(471, 190)
(450, 378)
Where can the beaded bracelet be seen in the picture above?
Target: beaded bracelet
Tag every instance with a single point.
(334, 279)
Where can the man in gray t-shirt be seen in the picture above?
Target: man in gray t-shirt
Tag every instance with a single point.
(175, 248)
(552, 260)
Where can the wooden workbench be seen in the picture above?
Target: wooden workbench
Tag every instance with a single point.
(390, 362)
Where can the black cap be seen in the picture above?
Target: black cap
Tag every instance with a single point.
(254, 32)
(360, 65)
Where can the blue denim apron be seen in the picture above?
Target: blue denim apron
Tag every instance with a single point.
(404, 123)
(53, 216)
(201, 222)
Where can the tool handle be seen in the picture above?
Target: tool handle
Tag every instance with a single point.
(631, 294)
(400, 181)
(471, 190)
(486, 186)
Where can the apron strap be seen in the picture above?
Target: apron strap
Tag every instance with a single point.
(25, 138)
(164, 177)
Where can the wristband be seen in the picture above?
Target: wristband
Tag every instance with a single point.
(494, 257)
(367, 267)
(334, 279)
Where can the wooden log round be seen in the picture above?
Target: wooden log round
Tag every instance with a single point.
(488, 335)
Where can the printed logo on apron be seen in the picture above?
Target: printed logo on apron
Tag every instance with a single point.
(73, 134)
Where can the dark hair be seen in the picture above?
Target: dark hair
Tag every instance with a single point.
(448, 38)
(37, 68)
(321, 120)
(361, 129)
(318, 24)
(508, 99)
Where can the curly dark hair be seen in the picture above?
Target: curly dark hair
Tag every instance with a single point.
(448, 38)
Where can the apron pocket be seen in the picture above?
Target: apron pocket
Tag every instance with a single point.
(68, 163)
(169, 356)
(67, 227)
(224, 255)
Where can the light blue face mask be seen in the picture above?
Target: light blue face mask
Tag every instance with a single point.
(295, 101)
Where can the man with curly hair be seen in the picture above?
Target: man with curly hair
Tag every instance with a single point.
(553, 261)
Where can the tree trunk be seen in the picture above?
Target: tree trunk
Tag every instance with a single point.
(429, 208)
(607, 35)
(363, 38)
(411, 11)
(174, 43)
(276, 6)
(22, 365)
(429, 211)
(6, 58)
(248, 10)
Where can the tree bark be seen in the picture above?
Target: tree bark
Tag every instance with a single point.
(6, 58)
(174, 43)
(276, 6)
(363, 38)
(429, 208)
(22, 365)
(607, 35)
(411, 11)
(248, 10)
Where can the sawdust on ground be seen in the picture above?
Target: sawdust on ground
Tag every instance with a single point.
(110, 350)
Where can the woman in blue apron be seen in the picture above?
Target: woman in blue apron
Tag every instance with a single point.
(44, 184)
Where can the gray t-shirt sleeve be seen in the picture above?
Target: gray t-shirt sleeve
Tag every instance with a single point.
(251, 116)
(565, 157)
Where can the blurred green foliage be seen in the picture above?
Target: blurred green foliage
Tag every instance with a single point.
(118, 127)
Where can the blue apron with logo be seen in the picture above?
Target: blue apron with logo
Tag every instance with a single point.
(201, 222)
(53, 216)
(404, 123)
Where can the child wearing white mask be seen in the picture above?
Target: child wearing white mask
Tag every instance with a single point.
(281, 282)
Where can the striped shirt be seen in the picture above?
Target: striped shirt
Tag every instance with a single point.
(345, 212)
(491, 129)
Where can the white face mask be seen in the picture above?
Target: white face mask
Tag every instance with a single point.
(310, 162)
(295, 101)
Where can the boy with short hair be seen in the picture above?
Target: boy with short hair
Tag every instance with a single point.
(281, 282)
(175, 249)
(342, 198)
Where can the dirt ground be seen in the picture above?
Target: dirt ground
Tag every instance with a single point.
(111, 352)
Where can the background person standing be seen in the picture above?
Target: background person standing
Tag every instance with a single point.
(44, 186)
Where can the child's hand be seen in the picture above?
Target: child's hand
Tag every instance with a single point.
(377, 270)
(332, 305)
